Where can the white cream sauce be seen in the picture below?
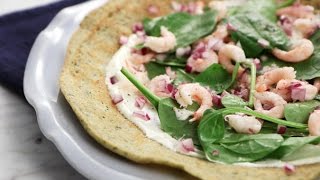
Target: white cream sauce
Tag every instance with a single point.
(152, 128)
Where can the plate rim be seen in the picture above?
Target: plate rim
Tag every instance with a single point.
(42, 103)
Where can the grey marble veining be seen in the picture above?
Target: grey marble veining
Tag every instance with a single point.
(24, 152)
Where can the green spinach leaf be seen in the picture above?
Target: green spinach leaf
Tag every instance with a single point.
(292, 144)
(154, 69)
(170, 124)
(215, 77)
(187, 28)
(307, 151)
(182, 77)
(300, 111)
(211, 128)
(230, 100)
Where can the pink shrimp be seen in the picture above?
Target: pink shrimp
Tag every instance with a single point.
(161, 44)
(193, 91)
(161, 86)
(301, 51)
(297, 11)
(227, 53)
(244, 124)
(270, 103)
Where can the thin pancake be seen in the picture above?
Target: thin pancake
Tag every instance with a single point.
(83, 84)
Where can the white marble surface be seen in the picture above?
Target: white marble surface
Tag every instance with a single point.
(24, 152)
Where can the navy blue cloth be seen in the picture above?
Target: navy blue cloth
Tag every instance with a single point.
(18, 32)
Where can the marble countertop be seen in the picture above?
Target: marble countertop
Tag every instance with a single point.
(25, 152)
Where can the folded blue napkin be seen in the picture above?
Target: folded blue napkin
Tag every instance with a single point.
(18, 32)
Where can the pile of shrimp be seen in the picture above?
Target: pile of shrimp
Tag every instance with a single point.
(275, 87)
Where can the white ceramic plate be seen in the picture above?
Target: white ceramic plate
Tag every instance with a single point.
(55, 117)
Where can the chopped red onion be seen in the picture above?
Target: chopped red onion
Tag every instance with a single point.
(230, 27)
(142, 115)
(289, 169)
(174, 92)
(123, 40)
(188, 69)
(116, 99)
(281, 129)
(298, 92)
(152, 9)
(169, 88)
(215, 44)
(216, 100)
(257, 63)
(140, 102)
(192, 7)
(187, 145)
(263, 43)
(317, 108)
(198, 51)
(113, 80)
(137, 27)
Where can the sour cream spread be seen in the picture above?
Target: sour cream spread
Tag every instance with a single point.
(151, 125)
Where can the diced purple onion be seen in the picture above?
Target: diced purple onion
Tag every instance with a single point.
(123, 40)
(142, 115)
(215, 152)
(188, 69)
(152, 9)
(298, 92)
(263, 43)
(114, 80)
(216, 100)
(257, 62)
(289, 169)
(281, 129)
(230, 27)
(137, 27)
(140, 102)
(116, 99)
(187, 145)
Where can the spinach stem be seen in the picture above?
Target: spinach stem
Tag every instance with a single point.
(265, 117)
(252, 84)
(145, 91)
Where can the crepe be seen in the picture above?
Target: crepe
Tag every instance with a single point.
(82, 82)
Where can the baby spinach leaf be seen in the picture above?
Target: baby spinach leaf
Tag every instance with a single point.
(187, 28)
(255, 21)
(215, 77)
(154, 69)
(307, 151)
(230, 147)
(292, 144)
(300, 111)
(230, 100)
(211, 128)
(182, 77)
(170, 124)
(173, 60)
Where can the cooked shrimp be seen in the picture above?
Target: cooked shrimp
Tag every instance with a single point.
(265, 81)
(139, 59)
(208, 58)
(243, 123)
(160, 86)
(305, 27)
(161, 44)
(221, 32)
(269, 103)
(302, 50)
(193, 91)
(302, 92)
(297, 11)
(221, 7)
(228, 53)
(314, 123)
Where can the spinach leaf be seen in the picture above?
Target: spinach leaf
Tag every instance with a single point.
(230, 100)
(215, 77)
(154, 69)
(182, 77)
(211, 128)
(256, 20)
(307, 151)
(170, 124)
(229, 147)
(187, 28)
(299, 112)
(292, 144)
